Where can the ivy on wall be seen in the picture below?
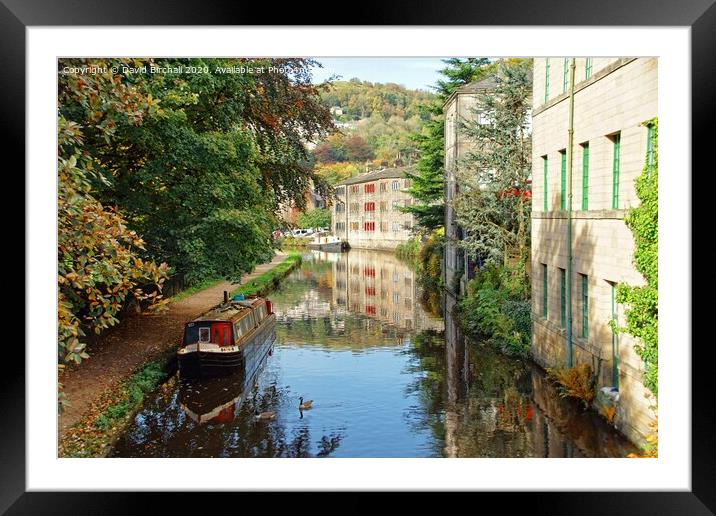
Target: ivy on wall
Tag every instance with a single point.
(642, 314)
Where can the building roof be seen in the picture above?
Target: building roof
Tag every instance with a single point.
(375, 175)
(488, 83)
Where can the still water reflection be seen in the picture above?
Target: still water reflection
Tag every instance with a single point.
(387, 380)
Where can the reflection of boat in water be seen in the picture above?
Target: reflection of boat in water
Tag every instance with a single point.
(330, 243)
(213, 400)
(216, 400)
(233, 337)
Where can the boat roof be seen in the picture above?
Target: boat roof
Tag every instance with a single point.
(230, 311)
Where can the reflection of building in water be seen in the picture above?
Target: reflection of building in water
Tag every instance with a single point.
(499, 407)
(456, 369)
(309, 306)
(377, 284)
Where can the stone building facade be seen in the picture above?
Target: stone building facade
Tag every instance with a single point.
(366, 209)
(458, 108)
(613, 101)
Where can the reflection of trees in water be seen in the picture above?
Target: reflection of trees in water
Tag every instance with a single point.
(489, 412)
(428, 349)
(162, 429)
(500, 407)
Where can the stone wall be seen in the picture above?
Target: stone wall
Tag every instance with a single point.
(620, 96)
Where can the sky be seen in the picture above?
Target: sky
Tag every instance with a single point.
(413, 73)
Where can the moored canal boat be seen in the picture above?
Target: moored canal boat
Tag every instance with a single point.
(232, 337)
(331, 244)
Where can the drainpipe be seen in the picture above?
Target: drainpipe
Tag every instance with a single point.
(570, 145)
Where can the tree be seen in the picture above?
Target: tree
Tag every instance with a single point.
(331, 150)
(494, 202)
(357, 149)
(317, 218)
(99, 257)
(427, 183)
(215, 155)
(334, 173)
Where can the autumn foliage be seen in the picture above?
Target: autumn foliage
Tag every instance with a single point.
(99, 266)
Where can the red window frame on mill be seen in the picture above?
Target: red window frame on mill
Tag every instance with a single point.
(369, 188)
(369, 226)
(369, 206)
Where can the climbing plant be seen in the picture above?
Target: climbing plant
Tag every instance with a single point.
(642, 313)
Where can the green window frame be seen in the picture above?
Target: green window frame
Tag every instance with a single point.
(545, 291)
(585, 306)
(545, 204)
(565, 75)
(616, 165)
(563, 180)
(585, 176)
(563, 298)
(650, 148)
(546, 80)
(588, 68)
(615, 342)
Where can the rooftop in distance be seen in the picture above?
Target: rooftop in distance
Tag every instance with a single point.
(385, 173)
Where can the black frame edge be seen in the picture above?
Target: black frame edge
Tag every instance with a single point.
(702, 498)
(12, 132)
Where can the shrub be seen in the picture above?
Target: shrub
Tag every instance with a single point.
(574, 382)
(642, 312)
(409, 250)
(497, 308)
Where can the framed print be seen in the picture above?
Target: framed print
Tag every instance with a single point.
(416, 254)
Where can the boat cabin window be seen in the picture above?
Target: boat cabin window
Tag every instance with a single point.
(260, 313)
(197, 332)
(243, 326)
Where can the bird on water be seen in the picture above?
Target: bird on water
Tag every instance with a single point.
(264, 415)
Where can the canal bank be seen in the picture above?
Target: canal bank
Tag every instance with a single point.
(135, 357)
(387, 379)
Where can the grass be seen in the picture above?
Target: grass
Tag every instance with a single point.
(208, 283)
(270, 279)
(95, 433)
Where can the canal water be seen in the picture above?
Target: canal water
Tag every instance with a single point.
(387, 379)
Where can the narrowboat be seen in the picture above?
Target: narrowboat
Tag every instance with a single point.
(232, 337)
(331, 244)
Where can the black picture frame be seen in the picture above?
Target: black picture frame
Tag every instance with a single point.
(699, 15)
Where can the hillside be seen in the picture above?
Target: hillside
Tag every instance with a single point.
(375, 121)
(362, 99)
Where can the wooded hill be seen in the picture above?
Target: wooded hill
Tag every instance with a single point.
(376, 122)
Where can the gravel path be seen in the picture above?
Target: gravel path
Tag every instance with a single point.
(134, 341)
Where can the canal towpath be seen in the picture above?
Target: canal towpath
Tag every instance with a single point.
(135, 341)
